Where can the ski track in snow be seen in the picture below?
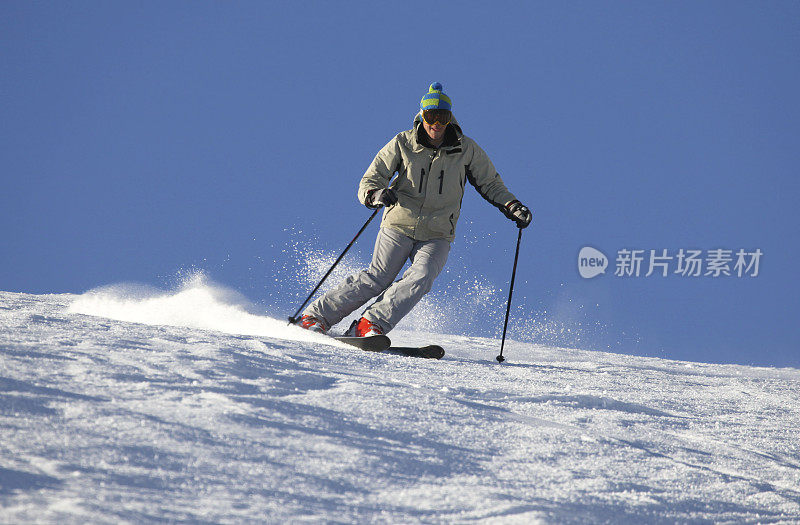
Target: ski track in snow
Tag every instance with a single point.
(187, 407)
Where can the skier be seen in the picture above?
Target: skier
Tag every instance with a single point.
(434, 160)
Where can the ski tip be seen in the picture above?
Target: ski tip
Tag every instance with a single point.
(426, 352)
(435, 351)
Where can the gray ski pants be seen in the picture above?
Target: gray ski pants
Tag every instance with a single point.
(395, 300)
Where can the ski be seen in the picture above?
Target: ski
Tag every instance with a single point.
(425, 352)
(372, 343)
(382, 343)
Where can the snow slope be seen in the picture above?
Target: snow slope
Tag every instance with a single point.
(187, 407)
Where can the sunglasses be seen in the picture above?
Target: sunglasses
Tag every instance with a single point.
(431, 116)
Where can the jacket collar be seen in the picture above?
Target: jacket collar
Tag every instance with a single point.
(452, 135)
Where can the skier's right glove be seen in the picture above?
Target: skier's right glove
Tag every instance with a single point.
(382, 197)
(518, 213)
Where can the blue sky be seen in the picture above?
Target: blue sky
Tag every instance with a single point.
(140, 140)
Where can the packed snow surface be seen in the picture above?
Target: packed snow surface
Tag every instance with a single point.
(123, 406)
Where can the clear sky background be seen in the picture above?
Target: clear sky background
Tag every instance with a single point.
(140, 140)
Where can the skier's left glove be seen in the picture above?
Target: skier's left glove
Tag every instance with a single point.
(518, 213)
(382, 197)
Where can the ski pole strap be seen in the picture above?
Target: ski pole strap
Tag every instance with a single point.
(500, 357)
(293, 319)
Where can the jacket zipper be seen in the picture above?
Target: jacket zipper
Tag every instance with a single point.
(421, 179)
(430, 166)
(441, 181)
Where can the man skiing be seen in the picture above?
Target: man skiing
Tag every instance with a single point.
(433, 161)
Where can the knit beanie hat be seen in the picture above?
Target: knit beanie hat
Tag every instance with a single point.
(435, 99)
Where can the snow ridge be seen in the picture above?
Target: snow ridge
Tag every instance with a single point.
(197, 303)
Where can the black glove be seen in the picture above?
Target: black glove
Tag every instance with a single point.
(383, 197)
(518, 213)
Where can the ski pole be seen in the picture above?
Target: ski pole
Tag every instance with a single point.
(293, 319)
(500, 357)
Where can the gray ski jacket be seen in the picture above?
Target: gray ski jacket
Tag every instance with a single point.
(430, 181)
